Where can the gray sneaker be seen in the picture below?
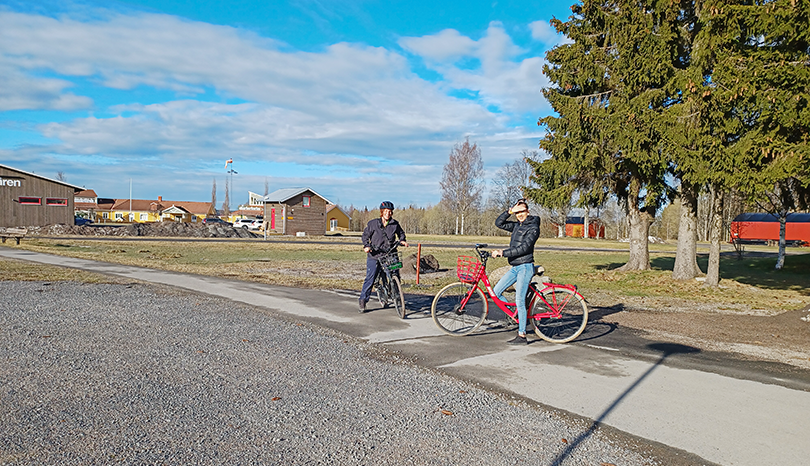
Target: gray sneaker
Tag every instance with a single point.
(518, 340)
(362, 306)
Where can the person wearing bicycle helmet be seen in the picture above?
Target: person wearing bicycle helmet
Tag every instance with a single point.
(521, 257)
(380, 236)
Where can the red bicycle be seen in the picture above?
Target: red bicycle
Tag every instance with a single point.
(558, 312)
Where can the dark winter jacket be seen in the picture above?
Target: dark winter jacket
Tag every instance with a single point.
(382, 240)
(524, 235)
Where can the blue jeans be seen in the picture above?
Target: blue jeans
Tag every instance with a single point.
(520, 276)
(372, 269)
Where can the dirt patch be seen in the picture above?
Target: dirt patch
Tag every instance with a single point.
(758, 335)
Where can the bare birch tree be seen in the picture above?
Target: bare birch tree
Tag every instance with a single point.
(509, 181)
(462, 181)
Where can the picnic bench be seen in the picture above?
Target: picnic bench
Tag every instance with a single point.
(16, 233)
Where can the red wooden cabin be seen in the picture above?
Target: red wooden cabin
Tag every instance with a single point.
(575, 227)
(764, 228)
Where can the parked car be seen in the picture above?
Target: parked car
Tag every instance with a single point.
(215, 220)
(81, 221)
(256, 224)
(244, 223)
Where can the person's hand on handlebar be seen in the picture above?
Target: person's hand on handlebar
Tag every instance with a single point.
(497, 253)
(404, 243)
(367, 249)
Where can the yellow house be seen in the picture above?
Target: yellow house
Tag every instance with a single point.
(147, 210)
(336, 219)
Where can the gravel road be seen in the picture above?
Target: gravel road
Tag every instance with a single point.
(143, 374)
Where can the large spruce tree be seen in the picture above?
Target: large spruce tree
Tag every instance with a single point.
(760, 52)
(610, 87)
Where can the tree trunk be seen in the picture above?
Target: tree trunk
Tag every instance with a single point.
(686, 267)
(715, 234)
(585, 224)
(640, 222)
(462, 223)
(780, 261)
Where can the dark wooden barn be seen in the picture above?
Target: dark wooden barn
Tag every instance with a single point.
(295, 211)
(31, 200)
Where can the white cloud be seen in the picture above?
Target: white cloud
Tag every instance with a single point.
(19, 91)
(446, 45)
(544, 32)
(512, 86)
(356, 109)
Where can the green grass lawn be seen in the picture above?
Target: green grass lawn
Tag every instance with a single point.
(748, 283)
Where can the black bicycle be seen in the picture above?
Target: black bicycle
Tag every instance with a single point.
(388, 284)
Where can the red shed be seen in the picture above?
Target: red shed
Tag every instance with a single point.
(764, 228)
(575, 227)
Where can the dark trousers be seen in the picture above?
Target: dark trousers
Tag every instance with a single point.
(372, 269)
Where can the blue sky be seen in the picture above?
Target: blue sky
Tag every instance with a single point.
(358, 99)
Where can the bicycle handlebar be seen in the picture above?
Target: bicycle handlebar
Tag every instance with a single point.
(484, 255)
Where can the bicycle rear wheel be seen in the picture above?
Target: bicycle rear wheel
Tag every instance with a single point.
(397, 296)
(454, 318)
(572, 319)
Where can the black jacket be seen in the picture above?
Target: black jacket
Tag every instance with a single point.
(524, 235)
(382, 240)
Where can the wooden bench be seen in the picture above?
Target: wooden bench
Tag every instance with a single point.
(16, 233)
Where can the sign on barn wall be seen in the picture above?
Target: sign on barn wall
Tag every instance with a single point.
(13, 181)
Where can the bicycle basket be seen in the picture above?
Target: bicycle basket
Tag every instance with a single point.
(391, 261)
(468, 269)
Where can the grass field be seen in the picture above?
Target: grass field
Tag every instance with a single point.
(746, 284)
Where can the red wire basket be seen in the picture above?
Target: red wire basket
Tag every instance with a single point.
(468, 269)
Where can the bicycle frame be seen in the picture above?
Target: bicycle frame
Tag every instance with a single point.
(510, 309)
(384, 273)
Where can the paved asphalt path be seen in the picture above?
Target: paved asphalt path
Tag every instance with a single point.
(711, 405)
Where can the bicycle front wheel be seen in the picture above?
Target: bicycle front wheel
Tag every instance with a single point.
(570, 315)
(397, 296)
(453, 315)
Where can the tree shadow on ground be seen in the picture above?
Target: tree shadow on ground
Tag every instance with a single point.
(755, 269)
(666, 350)
(610, 266)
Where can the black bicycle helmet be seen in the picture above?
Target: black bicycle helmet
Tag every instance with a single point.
(387, 205)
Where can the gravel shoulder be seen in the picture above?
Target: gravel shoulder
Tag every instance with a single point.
(131, 373)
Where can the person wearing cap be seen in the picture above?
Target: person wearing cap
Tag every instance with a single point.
(380, 236)
(520, 253)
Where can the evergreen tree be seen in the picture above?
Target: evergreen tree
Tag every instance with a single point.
(761, 55)
(610, 87)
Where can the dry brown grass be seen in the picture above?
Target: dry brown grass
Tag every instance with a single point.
(14, 270)
(340, 264)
